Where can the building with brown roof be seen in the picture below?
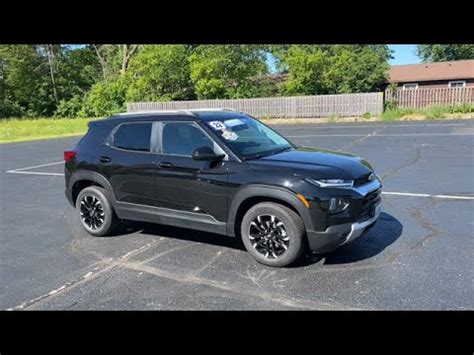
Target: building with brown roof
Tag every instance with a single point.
(433, 75)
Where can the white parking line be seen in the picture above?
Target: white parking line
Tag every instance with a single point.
(374, 125)
(22, 171)
(36, 166)
(34, 173)
(380, 135)
(428, 195)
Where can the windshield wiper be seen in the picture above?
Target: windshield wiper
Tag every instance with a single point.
(261, 155)
(258, 156)
(283, 149)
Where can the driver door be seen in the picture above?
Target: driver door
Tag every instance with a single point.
(187, 185)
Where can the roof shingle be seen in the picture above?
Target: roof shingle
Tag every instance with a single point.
(461, 69)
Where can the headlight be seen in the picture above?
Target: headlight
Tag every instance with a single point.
(338, 204)
(331, 182)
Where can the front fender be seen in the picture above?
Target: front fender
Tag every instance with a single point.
(259, 190)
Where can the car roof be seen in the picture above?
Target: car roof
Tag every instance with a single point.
(178, 115)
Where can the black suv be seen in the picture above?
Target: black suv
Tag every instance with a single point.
(224, 172)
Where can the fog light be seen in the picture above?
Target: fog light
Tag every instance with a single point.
(338, 204)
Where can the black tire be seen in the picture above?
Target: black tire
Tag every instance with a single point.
(110, 220)
(292, 229)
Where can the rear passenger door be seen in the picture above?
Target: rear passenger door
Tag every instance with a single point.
(128, 162)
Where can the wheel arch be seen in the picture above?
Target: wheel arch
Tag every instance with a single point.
(249, 195)
(82, 179)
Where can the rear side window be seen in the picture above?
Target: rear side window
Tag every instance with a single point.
(93, 138)
(133, 136)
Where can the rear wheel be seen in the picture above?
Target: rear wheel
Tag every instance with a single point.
(95, 211)
(273, 234)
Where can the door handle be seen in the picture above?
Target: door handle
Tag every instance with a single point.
(165, 164)
(104, 159)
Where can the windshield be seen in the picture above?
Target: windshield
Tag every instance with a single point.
(248, 138)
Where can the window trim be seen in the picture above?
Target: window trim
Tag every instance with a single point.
(457, 81)
(406, 88)
(110, 140)
(194, 123)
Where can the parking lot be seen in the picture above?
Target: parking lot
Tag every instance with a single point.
(419, 255)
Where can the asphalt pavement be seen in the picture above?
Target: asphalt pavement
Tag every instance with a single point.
(419, 255)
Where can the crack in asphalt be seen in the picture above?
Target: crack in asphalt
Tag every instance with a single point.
(94, 271)
(411, 162)
(426, 224)
(99, 269)
(192, 278)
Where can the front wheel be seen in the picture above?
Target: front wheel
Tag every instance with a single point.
(273, 234)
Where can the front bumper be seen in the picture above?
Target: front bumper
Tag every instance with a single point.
(335, 236)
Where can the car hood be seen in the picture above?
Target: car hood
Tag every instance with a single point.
(317, 163)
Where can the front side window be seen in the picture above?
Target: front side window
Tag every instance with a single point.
(133, 136)
(248, 138)
(183, 138)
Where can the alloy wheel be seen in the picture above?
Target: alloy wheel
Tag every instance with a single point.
(92, 212)
(268, 236)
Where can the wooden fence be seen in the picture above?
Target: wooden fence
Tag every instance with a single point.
(419, 98)
(344, 105)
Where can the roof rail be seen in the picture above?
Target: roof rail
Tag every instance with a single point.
(154, 112)
(210, 109)
(182, 111)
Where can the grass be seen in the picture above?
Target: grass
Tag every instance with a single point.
(19, 130)
(366, 116)
(430, 113)
(22, 129)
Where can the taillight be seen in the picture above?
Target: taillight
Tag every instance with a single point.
(69, 154)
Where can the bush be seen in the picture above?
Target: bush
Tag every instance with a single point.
(390, 105)
(10, 108)
(366, 115)
(105, 98)
(396, 113)
(436, 112)
(332, 118)
(463, 108)
(69, 108)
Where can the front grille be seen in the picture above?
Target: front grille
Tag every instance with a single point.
(366, 208)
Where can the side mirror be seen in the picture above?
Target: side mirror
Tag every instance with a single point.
(206, 153)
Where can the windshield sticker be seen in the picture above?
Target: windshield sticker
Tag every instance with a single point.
(230, 136)
(217, 125)
(234, 122)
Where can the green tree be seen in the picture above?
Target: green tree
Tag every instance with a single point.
(78, 69)
(333, 69)
(225, 71)
(25, 85)
(105, 98)
(306, 67)
(160, 73)
(103, 75)
(445, 52)
(39, 79)
(114, 59)
(355, 69)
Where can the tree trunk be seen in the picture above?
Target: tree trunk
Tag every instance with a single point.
(127, 51)
(51, 62)
(102, 62)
